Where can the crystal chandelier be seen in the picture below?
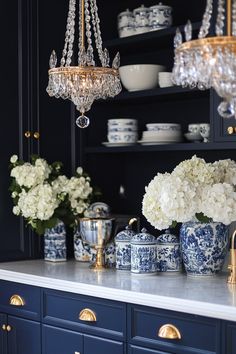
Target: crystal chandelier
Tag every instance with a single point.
(210, 62)
(86, 82)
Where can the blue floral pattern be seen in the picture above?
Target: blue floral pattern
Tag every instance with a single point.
(143, 259)
(55, 243)
(204, 247)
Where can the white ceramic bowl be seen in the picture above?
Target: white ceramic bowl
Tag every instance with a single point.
(122, 137)
(122, 122)
(163, 127)
(166, 83)
(193, 136)
(140, 76)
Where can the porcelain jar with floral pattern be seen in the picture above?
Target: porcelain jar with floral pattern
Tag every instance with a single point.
(143, 253)
(123, 248)
(204, 247)
(168, 253)
(55, 243)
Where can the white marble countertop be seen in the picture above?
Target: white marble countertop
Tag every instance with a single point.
(211, 297)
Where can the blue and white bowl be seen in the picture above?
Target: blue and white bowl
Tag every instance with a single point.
(203, 247)
(168, 253)
(164, 127)
(122, 137)
(143, 253)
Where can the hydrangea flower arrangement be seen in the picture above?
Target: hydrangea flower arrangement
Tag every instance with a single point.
(42, 195)
(195, 190)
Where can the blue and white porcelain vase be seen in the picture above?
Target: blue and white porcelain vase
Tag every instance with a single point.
(143, 253)
(55, 243)
(203, 247)
(169, 257)
(123, 248)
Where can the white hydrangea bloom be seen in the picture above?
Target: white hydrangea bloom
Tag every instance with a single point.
(60, 184)
(16, 210)
(39, 203)
(225, 171)
(196, 170)
(79, 170)
(30, 176)
(178, 199)
(14, 159)
(219, 203)
(78, 189)
(151, 203)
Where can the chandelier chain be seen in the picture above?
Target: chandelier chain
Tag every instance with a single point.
(234, 18)
(220, 18)
(206, 23)
(97, 32)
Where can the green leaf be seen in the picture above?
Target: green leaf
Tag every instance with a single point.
(203, 218)
(173, 225)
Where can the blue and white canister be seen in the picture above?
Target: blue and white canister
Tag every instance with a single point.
(160, 16)
(123, 248)
(143, 253)
(204, 247)
(168, 253)
(55, 243)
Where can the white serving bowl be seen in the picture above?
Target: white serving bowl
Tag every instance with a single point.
(193, 137)
(122, 137)
(140, 76)
(163, 127)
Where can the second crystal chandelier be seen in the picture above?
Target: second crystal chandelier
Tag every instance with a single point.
(210, 61)
(85, 82)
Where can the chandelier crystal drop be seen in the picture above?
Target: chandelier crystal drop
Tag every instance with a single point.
(84, 83)
(210, 62)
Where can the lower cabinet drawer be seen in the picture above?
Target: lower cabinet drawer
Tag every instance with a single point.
(20, 300)
(230, 338)
(63, 341)
(85, 314)
(197, 334)
(138, 350)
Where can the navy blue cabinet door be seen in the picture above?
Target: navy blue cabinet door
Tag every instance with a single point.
(24, 337)
(61, 341)
(95, 345)
(138, 350)
(230, 338)
(3, 334)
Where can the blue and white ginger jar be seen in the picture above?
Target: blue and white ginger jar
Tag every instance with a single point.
(160, 16)
(168, 253)
(143, 253)
(55, 243)
(123, 249)
(203, 247)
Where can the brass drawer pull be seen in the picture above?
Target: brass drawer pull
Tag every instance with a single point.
(28, 134)
(36, 135)
(87, 315)
(169, 331)
(77, 352)
(8, 328)
(4, 327)
(17, 300)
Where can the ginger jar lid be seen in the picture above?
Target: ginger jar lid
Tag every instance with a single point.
(160, 6)
(143, 238)
(141, 9)
(127, 13)
(167, 238)
(125, 235)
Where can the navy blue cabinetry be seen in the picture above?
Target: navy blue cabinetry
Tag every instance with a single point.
(230, 342)
(3, 334)
(138, 350)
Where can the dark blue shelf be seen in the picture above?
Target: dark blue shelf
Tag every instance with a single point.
(169, 147)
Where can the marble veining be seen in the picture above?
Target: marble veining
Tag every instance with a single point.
(211, 297)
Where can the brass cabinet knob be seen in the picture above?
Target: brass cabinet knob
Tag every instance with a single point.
(87, 315)
(77, 352)
(36, 135)
(4, 327)
(8, 328)
(169, 331)
(16, 300)
(28, 134)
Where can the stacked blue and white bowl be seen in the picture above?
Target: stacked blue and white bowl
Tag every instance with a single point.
(122, 132)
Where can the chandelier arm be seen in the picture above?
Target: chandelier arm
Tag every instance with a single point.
(229, 17)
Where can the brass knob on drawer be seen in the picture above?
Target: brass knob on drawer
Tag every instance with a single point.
(28, 134)
(169, 331)
(87, 315)
(8, 328)
(77, 352)
(231, 130)
(4, 327)
(16, 300)
(36, 135)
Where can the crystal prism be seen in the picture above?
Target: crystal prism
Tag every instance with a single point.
(53, 60)
(226, 109)
(106, 58)
(178, 40)
(82, 121)
(82, 57)
(90, 58)
(188, 31)
(116, 61)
